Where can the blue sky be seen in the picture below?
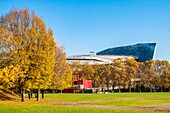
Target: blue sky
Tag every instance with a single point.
(93, 25)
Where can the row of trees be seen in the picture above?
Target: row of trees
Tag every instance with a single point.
(29, 56)
(127, 74)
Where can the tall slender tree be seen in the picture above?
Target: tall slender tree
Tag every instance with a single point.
(62, 77)
(148, 75)
(99, 78)
(161, 68)
(140, 75)
(118, 73)
(131, 66)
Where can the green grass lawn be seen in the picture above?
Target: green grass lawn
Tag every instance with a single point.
(91, 103)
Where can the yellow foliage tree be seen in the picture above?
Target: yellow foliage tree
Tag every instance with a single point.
(62, 77)
(131, 66)
(118, 76)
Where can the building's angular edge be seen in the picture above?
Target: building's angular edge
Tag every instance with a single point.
(143, 51)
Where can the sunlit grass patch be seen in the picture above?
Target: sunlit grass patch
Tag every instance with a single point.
(88, 103)
(61, 109)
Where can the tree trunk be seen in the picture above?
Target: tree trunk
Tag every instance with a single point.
(22, 95)
(130, 88)
(150, 89)
(161, 89)
(113, 88)
(29, 94)
(38, 94)
(42, 94)
(140, 88)
(107, 88)
(135, 86)
(146, 89)
(119, 89)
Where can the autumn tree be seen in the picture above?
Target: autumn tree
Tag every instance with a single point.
(140, 75)
(161, 68)
(99, 78)
(166, 79)
(76, 67)
(62, 77)
(87, 70)
(131, 66)
(148, 75)
(107, 75)
(96, 78)
(15, 38)
(118, 73)
(42, 65)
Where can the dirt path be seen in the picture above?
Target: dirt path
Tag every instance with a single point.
(160, 108)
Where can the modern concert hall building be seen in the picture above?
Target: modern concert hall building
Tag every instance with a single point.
(140, 52)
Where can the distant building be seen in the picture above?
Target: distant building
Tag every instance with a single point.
(140, 52)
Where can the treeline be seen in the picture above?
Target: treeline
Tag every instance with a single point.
(30, 59)
(127, 75)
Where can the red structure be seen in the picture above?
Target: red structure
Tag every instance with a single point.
(79, 84)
